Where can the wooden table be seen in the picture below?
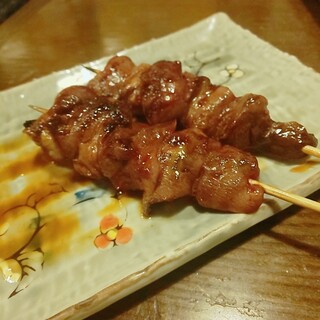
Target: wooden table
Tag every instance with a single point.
(271, 271)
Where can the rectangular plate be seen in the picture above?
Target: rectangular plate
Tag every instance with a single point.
(50, 220)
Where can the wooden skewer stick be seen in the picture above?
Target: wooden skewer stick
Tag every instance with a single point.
(312, 151)
(37, 108)
(290, 197)
(96, 71)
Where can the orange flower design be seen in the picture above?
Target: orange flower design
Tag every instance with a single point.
(112, 232)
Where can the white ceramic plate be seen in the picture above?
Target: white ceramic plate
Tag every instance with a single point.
(49, 219)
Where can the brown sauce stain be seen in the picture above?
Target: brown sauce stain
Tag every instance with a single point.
(114, 207)
(305, 166)
(13, 144)
(132, 197)
(57, 235)
(16, 229)
(31, 215)
(23, 165)
(51, 179)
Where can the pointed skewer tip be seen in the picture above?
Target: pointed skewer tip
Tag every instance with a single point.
(96, 71)
(37, 108)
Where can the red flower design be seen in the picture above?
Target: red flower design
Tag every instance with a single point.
(113, 232)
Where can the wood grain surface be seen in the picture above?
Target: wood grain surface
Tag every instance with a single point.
(271, 271)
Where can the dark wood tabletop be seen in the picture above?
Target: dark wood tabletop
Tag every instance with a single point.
(270, 271)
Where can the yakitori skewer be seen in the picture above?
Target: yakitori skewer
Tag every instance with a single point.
(162, 91)
(73, 118)
(308, 150)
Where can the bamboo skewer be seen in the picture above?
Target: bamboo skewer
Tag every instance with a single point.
(280, 194)
(37, 108)
(96, 71)
(289, 197)
(311, 151)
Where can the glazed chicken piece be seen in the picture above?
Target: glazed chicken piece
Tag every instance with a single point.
(159, 92)
(162, 92)
(102, 141)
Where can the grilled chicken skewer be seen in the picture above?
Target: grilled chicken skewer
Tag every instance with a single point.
(162, 92)
(101, 141)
